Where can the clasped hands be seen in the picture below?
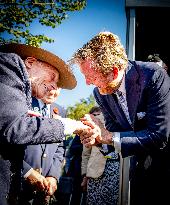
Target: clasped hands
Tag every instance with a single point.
(41, 183)
(90, 129)
(94, 132)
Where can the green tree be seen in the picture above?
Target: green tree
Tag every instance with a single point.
(81, 108)
(16, 16)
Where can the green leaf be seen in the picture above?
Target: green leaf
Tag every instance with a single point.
(18, 17)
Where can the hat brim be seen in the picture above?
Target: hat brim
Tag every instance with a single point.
(67, 79)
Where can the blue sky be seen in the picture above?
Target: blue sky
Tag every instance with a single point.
(77, 29)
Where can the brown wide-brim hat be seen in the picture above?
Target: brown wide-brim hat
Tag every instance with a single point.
(67, 79)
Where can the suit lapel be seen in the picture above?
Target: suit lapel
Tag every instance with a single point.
(132, 86)
(117, 110)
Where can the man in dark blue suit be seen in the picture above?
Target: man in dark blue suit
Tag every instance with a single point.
(135, 100)
(42, 161)
(26, 71)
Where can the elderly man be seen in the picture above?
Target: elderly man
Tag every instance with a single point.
(135, 100)
(26, 71)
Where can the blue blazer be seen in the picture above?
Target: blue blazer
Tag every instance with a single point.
(17, 128)
(147, 91)
(45, 158)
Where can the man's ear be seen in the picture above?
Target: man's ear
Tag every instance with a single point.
(29, 62)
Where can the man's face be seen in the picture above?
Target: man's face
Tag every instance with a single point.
(44, 78)
(106, 84)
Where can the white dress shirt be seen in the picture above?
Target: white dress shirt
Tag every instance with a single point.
(41, 105)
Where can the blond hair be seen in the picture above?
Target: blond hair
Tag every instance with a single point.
(105, 50)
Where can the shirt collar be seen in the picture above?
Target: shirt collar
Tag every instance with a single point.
(41, 104)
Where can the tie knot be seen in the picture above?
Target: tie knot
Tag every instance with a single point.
(119, 93)
(45, 106)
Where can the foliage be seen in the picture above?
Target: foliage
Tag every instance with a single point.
(16, 16)
(81, 108)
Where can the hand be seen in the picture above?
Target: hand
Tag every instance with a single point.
(38, 181)
(52, 185)
(88, 136)
(97, 134)
(84, 183)
(72, 125)
(80, 125)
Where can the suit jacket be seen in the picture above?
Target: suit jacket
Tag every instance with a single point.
(147, 91)
(17, 128)
(46, 158)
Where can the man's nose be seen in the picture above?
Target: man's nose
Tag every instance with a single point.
(55, 92)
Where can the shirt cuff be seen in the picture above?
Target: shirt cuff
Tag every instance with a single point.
(70, 125)
(28, 173)
(116, 141)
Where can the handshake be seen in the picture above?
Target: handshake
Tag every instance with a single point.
(90, 129)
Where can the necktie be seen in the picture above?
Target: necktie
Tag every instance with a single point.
(123, 103)
(45, 111)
